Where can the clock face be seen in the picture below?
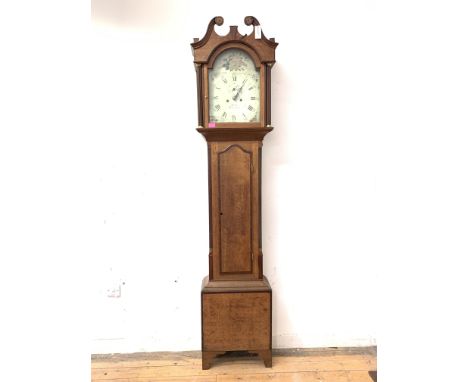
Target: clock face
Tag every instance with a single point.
(234, 88)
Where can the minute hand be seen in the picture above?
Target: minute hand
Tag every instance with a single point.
(238, 92)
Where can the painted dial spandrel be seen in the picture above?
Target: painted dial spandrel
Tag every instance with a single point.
(234, 88)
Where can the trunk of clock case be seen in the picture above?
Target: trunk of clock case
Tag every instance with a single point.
(235, 192)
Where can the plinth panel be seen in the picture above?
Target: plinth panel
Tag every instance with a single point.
(236, 321)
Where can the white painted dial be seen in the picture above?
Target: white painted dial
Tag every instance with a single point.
(234, 88)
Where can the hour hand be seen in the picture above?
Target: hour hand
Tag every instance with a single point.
(239, 90)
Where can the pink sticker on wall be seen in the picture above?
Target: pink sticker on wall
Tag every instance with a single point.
(211, 124)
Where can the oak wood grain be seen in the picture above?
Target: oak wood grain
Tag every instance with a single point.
(235, 209)
(236, 321)
(328, 365)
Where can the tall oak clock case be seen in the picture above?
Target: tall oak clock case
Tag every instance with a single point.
(233, 94)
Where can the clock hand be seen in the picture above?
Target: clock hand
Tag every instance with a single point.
(238, 91)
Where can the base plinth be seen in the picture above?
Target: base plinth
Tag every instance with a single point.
(236, 316)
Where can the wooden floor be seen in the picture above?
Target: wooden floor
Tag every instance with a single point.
(314, 365)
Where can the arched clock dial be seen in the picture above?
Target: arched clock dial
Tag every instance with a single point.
(234, 88)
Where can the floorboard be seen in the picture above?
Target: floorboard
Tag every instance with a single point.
(314, 365)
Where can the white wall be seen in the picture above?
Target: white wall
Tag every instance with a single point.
(319, 180)
(103, 178)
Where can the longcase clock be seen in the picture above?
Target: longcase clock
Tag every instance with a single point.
(233, 94)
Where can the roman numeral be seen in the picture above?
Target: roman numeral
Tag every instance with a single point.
(234, 77)
(245, 117)
(253, 98)
(224, 115)
(217, 107)
(251, 88)
(225, 80)
(250, 107)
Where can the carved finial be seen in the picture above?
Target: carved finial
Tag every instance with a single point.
(264, 47)
(250, 20)
(218, 20)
